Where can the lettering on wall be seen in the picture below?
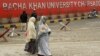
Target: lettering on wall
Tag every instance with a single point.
(43, 5)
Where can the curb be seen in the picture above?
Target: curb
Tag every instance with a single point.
(69, 19)
(66, 19)
(16, 25)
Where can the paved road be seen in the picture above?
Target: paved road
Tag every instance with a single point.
(82, 40)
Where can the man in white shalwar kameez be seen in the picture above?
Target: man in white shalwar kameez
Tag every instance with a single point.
(31, 32)
(43, 38)
(30, 46)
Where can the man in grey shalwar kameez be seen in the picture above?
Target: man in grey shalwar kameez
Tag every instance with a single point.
(43, 38)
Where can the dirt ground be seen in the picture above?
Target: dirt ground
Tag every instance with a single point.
(82, 40)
